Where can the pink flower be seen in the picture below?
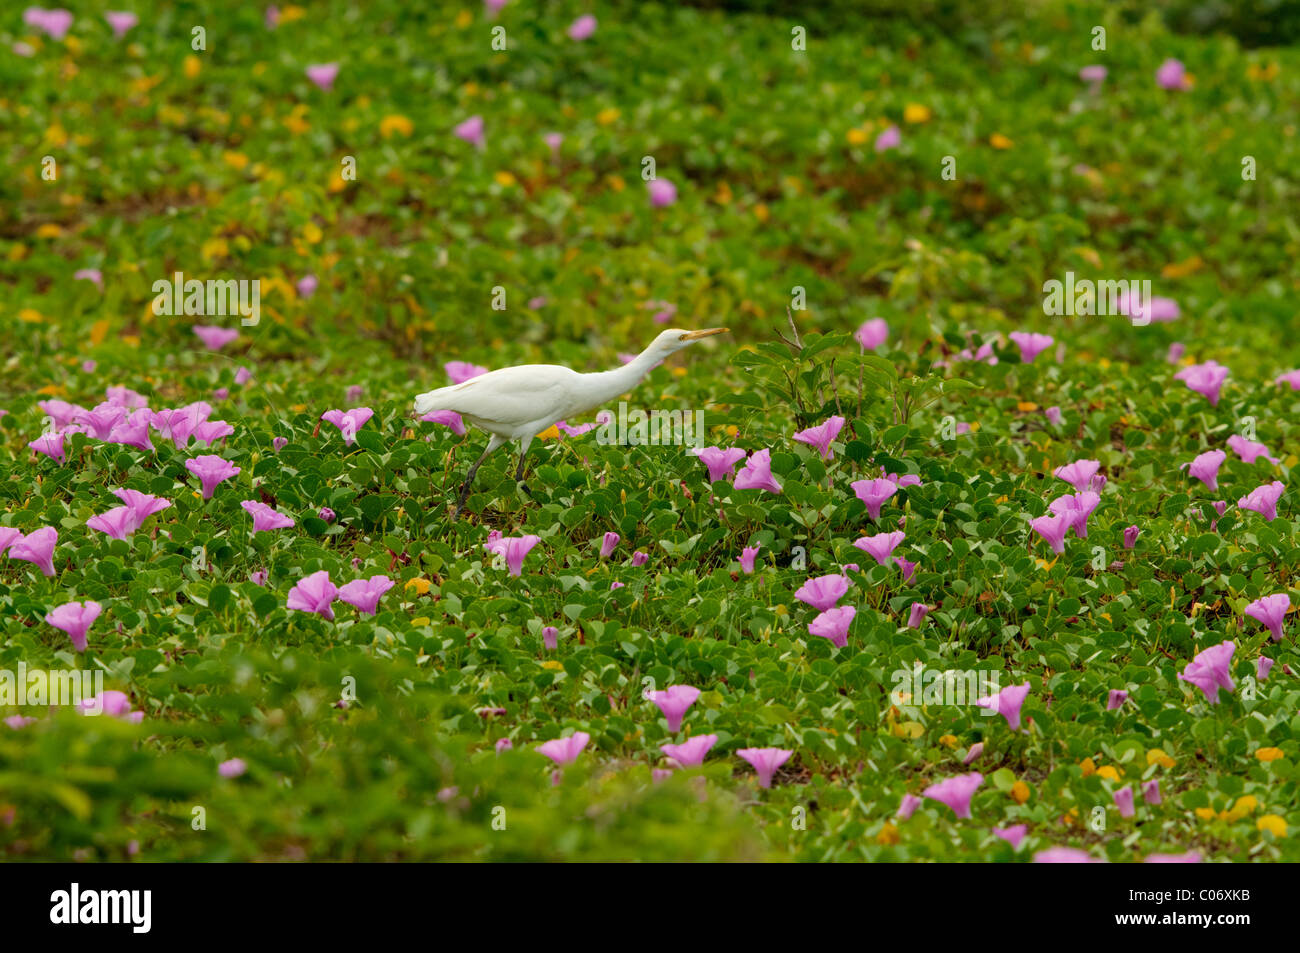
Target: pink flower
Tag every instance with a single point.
(134, 430)
(608, 544)
(514, 548)
(1209, 670)
(1171, 75)
(1291, 378)
(822, 435)
(1078, 474)
(1077, 508)
(211, 470)
(747, 558)
(461, 371)
(210, 431)
(120, 22)
(125, 397)
(720, 462)
(1206, 379)
(1123, 798)
(881, 546)
(232, 768)
(1191, 857)
(75, 618)
(1093, 74)
(365, 593)
(1176, 352)
(551, 637)
(874, 493)
(690, 753)
(214, 338)
(348, 421)
(1131, 536)
(53, 23)
(112, 703)
(117, 523)
(907, 807)
(323, 75)
(919, 611)
(582, 28)
(823, 592)
(36, 547)
(1263, 499)
(7, 536)
(1053, 416)
(673, 702)
(757, 473)
(1007, 703)
(1116, 698)
(1205, 467)
(448, 418)
(833, 624)
(1031, 345)
(973, 754)
(765, 761)
(553, 141)
(662, 193)
(50, 444)
(307, 285)
(1249, 450)
(564, 750)
(89, 274)
(909, 568)
(1271, 612)
(314, 594)
(471, 131)
(639, 558)
(1012, 835)
(1160, 310)
(141, 505)
(278, 443)
(956, 792)
(258, 578)
(1053, 529)
(889, 139)
(1063, 855)
(1263, 665)
(1151, 791)
(504, 744)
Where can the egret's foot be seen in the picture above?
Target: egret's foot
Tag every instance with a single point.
(530, 493)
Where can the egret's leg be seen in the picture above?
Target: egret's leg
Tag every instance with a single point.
(519, 474)
(469, 479)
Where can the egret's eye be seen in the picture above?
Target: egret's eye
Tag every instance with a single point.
(685, 336)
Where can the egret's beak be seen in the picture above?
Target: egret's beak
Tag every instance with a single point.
(707, 332)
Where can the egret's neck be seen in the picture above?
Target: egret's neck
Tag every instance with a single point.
(606, 385)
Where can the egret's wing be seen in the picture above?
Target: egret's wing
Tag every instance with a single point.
(512, 396)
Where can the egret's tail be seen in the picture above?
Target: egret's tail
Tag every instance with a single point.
(433, 400)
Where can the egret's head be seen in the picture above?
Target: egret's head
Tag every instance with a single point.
(674, 339)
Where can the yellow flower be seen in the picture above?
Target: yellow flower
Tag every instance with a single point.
(1181, 269)
(213, 249)
(1020, 792)
(1273, 824)
(49, 230)
(291, 13)
(236, 160)
(392, 124)
(999, 141)
(311, 233)
(464, 19)
(553, 665)
(419, 584)
(857, 137)
(760, 212)
(915, 112)
(1089, 768)
(1266, 73)
(1269, 754)
(56, 135)
(1158, 756)
(504, 179)
(1109, 771)
(192, 66)
(888, 835)
(616, 182)
(1246, 804)
(1205, 813)
(1026, 406)
(948, 740)
(606, 116)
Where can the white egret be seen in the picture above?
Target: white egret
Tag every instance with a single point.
(518, 403)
